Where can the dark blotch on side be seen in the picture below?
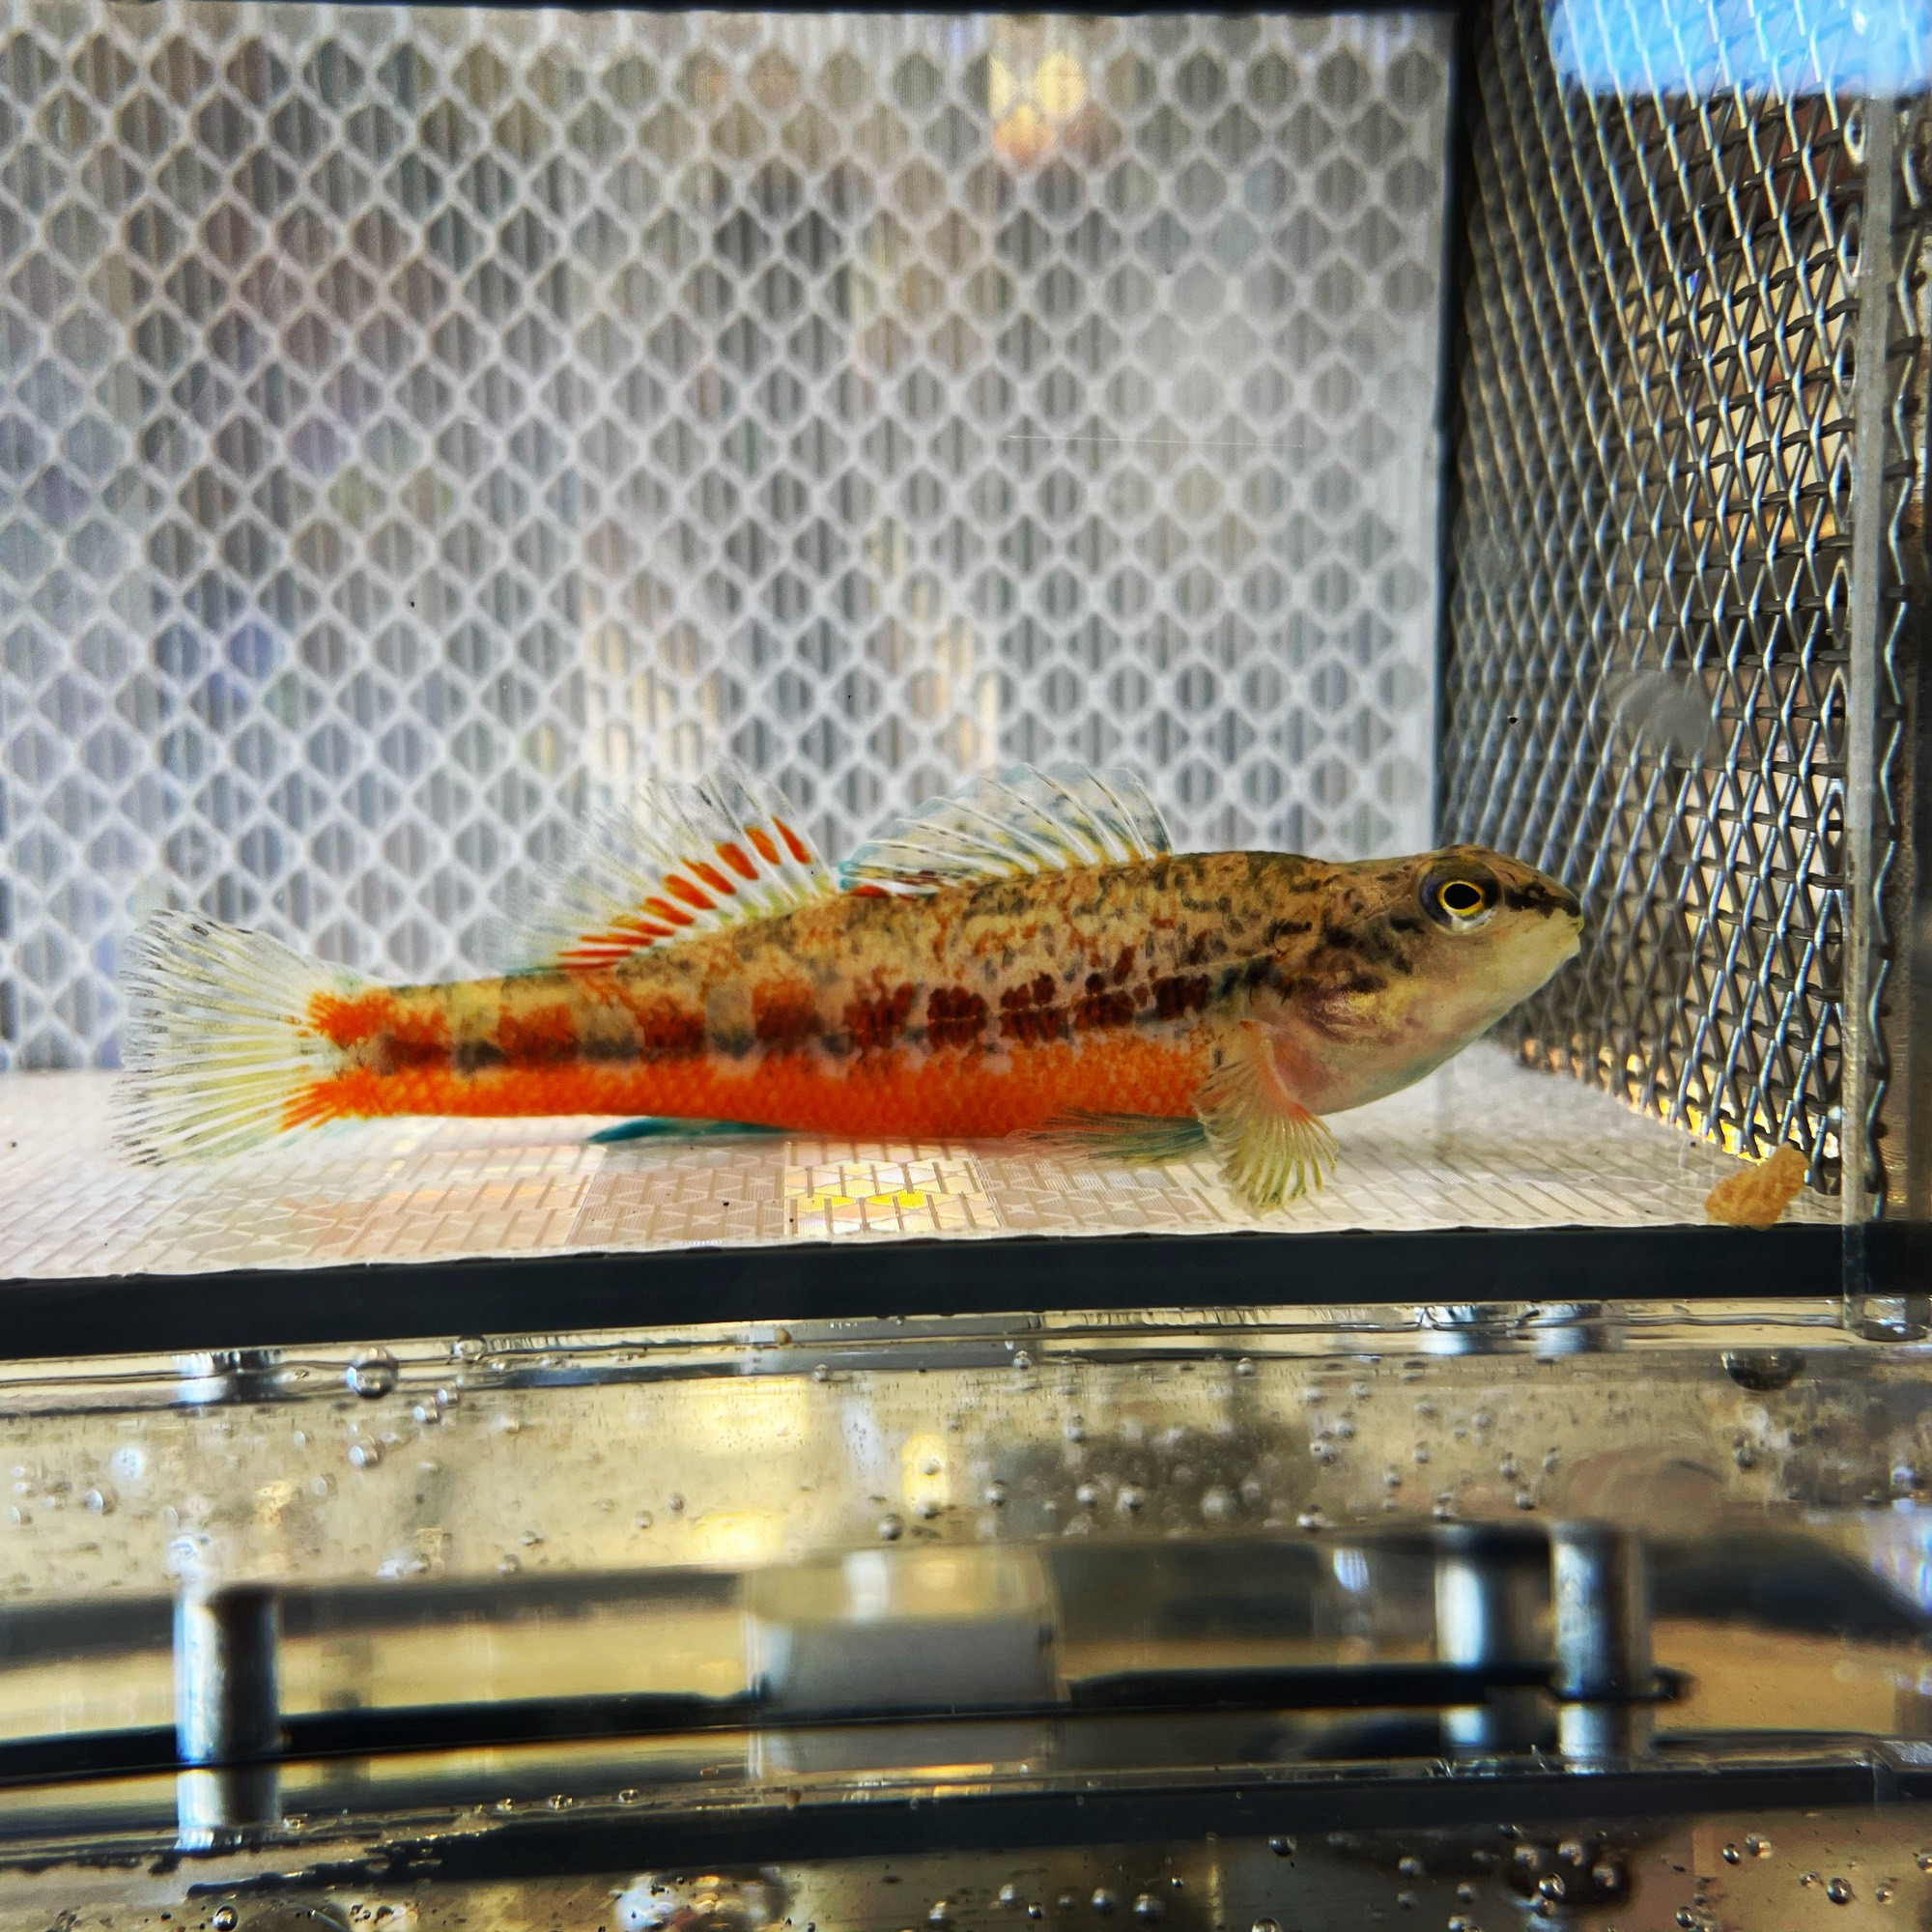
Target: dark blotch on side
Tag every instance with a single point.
(1028, 1014)
(668, 1030)
(876, 1024)
(534, 1035)
(1102, 1007)
(784, 1017)
(1178, 994)
(954, 1016)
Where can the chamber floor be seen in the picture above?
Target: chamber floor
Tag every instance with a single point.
(1482, 1143)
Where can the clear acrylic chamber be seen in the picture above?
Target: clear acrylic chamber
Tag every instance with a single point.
(1378, 432)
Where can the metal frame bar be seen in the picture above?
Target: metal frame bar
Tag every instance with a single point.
(127, 1314)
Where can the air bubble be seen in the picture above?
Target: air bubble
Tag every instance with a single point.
(1839, 1891)
(1411, 1867)
(996, 1495)
(1281, 1845)
(1021, 1359)
(224, 1918)
(1732, 1856)
(1147, 1908)
(1266, 1925)
(891, 1529)
(1104, 1901)
(1761, 1848)
(371, 1373)
(1009, 1895)
(365, 1455)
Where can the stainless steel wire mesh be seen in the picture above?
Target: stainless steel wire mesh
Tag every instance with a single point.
(1650, 684)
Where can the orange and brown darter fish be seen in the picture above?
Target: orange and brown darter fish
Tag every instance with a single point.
(1029, 956)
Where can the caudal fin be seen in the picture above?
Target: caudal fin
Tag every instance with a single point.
(218, 1042)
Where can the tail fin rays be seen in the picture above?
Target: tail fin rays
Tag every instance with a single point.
(217, 1046)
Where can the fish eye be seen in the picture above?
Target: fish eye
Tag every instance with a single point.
(1459, 897)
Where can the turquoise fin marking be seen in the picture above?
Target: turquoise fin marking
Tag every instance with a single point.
(662, 1128)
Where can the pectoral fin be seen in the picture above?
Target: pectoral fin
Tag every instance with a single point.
(1269, 1146)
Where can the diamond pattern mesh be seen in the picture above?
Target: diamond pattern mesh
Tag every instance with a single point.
(1652, 579)
(415, 422)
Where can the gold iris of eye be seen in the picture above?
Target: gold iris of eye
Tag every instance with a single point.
(1462, 899)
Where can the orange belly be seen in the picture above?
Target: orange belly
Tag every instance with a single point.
(907, 1093)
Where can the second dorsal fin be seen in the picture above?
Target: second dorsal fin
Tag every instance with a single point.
(1000, 827)
(677, 861)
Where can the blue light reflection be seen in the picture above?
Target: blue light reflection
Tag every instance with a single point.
(1779, 47)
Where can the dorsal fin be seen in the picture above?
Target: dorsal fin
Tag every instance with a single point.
(677, 861)
(1020, 821)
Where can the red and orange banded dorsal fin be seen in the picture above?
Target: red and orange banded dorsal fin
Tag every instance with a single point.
(677, 861)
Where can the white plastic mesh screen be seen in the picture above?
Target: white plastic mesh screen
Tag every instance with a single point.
(414, 420)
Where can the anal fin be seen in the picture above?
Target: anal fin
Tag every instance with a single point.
(1141, 1140)
(1271, 1148)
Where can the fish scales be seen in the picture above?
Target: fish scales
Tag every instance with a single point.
(1029, 954)
(979, 1010)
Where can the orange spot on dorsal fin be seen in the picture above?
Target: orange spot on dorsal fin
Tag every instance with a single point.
(679, 862)
(692, 896)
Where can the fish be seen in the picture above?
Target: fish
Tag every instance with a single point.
(1029, 956)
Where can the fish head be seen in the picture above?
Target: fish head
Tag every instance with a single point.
(1410, 959)
(1484, 930)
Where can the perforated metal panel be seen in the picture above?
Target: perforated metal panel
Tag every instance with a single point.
(1673, 677)
(416, 420)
